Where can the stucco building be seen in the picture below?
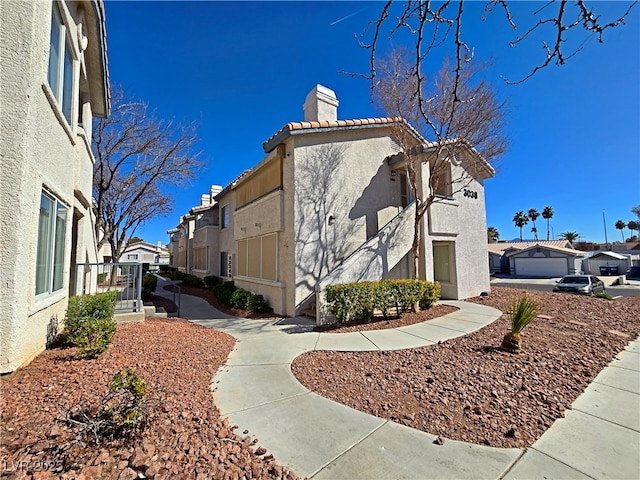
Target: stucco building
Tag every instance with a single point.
(331, 203)
(53, 80)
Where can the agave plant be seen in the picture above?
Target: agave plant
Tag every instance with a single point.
(522, 311)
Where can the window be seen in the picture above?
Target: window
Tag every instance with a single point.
(441, 178)
(132, 256)
(441, 262)
(52, 230)
(60, 74)
(224, 217)
(257, 257)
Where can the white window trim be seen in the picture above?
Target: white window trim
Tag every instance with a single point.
(67, 39)
(50, 294)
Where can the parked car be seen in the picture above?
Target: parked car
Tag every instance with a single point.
(583, 284)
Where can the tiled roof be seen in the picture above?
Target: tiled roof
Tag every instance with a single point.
(293, 128)
(499, 248)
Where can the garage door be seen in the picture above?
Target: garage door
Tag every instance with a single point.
(541, 267)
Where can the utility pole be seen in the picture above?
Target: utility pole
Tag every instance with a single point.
(604, 222)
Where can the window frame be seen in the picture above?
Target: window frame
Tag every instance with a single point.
(61, 69)
(51, 254)
(225, 216)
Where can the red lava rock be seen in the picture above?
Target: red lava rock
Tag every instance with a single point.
(261, 451)
(439, 441)
(469, 389)
(184, 436)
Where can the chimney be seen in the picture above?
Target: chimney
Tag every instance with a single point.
(321, 105)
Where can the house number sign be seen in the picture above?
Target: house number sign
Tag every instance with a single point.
(470, 193)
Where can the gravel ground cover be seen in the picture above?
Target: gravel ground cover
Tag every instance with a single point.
(184, 437)
(468, 388)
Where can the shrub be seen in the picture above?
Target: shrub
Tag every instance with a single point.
(257, 304)
(149, 284)
(89, 323)
(239, 298)
(211, 280)
(192, 280)
(101, 278)
(522, 311)
(224, 291)
(430, 295)
(164, 268)
(604, 295)
(358, 301)
(120, 410)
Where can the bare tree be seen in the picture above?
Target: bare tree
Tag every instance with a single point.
(437, 126)
(437, 26)
(137, 156)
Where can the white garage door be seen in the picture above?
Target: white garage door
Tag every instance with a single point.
(541, 267)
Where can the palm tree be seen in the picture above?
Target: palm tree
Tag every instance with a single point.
(570, 236)
(520, 219)
(533, 214)
(547, 213)
(493, 235)
(620, 226)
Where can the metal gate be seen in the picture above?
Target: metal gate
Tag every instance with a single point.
(126, 278)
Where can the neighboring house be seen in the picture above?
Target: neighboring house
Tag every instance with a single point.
(499, 254)
(546, 261)
(53, 81)
(609, 263)
(329, 204)
(144, 252)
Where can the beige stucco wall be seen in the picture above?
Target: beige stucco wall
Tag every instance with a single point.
(344, 175)
(461, 221)
(38, 149)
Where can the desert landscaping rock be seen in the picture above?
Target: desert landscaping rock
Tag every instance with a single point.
(184, 436)
(467, 388)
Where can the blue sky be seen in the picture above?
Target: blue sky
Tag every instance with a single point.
(243, 69)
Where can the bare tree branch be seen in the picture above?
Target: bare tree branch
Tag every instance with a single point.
(137, 155)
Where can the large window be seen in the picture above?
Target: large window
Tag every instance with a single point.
(60, 74)
(257, 257)
(52, 227)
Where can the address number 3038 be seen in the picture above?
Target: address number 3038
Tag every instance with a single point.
(470, 193)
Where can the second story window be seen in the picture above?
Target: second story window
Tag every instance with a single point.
(224, 217)
(60, 74)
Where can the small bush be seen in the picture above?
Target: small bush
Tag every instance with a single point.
(101, 278)
(120, 410)
(211, 280)
(149, 284)
(89, 323)
(192, 280)
(257, 304)
(522, 312)
(224, 291)
(604, 295)
(239, 298)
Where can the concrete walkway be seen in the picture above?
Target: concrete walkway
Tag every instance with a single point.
(321, 439)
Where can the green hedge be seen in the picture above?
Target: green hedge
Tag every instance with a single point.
(358, 301)
(89, 323)
(240, 298)
(149, 284)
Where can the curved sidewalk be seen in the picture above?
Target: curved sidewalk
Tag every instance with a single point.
(321, 439)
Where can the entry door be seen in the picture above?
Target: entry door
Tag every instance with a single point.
(442, 264)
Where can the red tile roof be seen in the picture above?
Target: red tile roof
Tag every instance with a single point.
(293, 128)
